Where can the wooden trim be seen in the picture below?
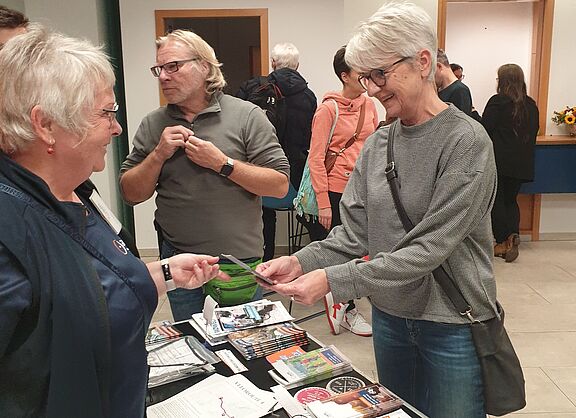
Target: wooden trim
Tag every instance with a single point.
(537, 202)
(544, 70)
(441, 24)
(264, 48)
(555, 140)
(537, 17)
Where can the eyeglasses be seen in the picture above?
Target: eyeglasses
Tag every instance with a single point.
(378, 76)
(169, 67)
(111, 113)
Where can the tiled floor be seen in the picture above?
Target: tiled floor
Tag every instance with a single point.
(538, 292)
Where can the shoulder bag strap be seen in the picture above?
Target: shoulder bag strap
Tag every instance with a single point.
(65, 227)
(440, 274)
(333, 125)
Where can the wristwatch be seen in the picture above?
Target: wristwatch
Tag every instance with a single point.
(227, 168)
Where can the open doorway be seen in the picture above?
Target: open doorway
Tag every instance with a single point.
(239, 38)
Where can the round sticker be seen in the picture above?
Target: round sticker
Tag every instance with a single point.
(344, 384)
(310, 394)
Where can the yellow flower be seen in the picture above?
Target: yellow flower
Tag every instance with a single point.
(570, 119)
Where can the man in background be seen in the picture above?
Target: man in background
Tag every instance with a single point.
(450, 89)
(296, 122)
(457, 70)
(12, 23)
(210, 157)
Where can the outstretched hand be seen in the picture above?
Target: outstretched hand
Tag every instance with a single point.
(280, 270)
(190, 271)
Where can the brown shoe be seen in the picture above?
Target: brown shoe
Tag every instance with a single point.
(512, 242)
(500, 249)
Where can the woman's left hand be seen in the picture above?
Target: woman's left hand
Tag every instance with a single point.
(306, 289)
(190, 271)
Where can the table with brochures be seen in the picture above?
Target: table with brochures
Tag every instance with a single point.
(257, 373)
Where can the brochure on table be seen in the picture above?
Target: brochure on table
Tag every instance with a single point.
(217, 396)
(216, 323)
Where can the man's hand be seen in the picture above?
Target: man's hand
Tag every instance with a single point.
(204, 153)
(280, 270)
(172, 138)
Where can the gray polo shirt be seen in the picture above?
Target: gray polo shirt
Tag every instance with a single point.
(448, 183)
(199, 210)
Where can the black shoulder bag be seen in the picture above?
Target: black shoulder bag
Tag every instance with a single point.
(502, 376)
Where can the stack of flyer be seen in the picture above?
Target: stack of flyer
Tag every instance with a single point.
(223, 321)
(259, 342)
(310, 367)
(366, 402)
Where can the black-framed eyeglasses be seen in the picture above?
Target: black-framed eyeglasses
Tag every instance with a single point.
(378, 75)
(169, 67)
(111, 113)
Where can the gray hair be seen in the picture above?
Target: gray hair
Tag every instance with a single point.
(198, 48)
(285, 55)
(61, 75)
(395, 31)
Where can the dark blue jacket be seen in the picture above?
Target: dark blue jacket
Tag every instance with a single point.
(55, 362)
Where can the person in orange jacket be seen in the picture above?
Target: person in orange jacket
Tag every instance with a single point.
(356, 115)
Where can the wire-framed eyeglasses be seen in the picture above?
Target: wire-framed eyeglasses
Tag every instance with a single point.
(110, 114)
(170, 67)
(378, 75)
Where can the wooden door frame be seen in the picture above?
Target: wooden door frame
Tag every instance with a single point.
(543, 18)
(160, 17)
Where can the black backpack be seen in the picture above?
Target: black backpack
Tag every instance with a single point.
(266, 94)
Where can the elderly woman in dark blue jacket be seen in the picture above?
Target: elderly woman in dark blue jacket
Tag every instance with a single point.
(74, 302)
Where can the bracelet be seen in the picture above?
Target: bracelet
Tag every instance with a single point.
(170, 285)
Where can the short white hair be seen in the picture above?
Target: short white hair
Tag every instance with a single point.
(396, 30)
(60, 74)
(285, 55)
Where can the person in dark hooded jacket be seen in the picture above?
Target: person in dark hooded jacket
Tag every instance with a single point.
(294, 135)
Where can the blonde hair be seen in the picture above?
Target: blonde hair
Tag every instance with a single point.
(198, 48)
(60, 74)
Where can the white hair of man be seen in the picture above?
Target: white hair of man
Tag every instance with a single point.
(285, 55)
(61, 75)
(396, 30)
(199, 48)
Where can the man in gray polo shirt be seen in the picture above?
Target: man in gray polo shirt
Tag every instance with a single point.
(209, 157)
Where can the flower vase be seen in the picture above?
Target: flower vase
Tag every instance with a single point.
(572, 129)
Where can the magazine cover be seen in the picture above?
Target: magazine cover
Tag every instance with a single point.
(310, 367)
(250, 315)
(367, 402)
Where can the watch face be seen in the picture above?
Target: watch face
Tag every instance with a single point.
(226, 169)
(344, 384)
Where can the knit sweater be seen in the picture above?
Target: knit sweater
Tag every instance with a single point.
(348, 115)
(448, 182)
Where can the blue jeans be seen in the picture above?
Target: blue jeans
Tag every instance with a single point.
(431, 365)
(185, 302)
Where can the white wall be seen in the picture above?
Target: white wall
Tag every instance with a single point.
(483, 36)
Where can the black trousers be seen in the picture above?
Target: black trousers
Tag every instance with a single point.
(269, 231)
(505, 212)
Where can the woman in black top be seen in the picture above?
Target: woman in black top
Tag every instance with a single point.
(511, 120)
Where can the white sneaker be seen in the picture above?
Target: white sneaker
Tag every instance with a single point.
(357, 324)
(335, 313)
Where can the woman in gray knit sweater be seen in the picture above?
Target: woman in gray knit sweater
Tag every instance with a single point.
(423, 346)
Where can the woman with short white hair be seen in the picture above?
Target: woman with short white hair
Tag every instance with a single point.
(445, 166)
(75, 304)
